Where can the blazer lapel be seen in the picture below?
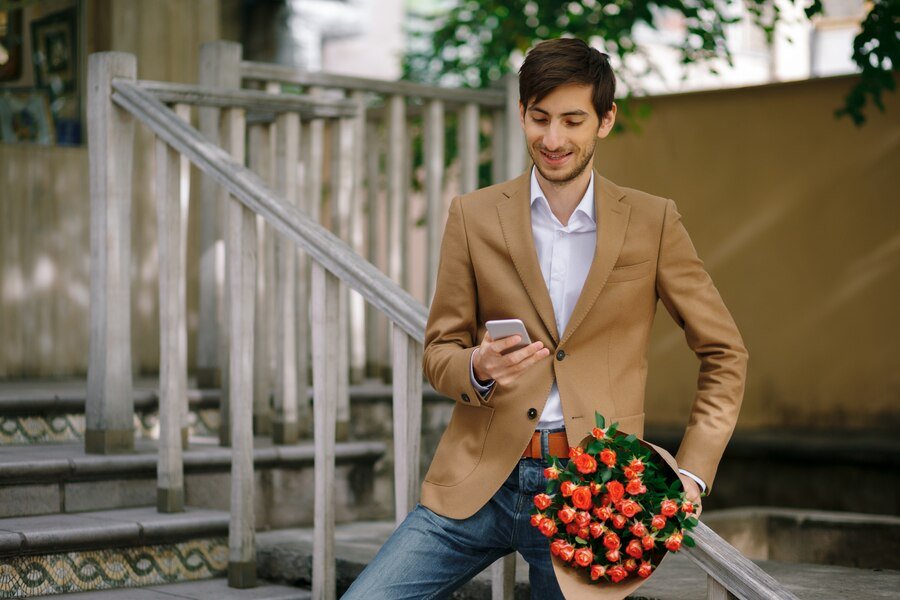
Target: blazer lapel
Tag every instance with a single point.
(515, 221)
(612, 222)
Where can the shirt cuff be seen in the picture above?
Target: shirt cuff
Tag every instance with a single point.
(695, 478)
(481, 389)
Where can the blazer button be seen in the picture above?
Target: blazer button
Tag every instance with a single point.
(532, 413)
(465, 397)
(560, 355)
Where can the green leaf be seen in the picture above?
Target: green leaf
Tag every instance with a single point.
(605, 475)
(580, 541)
(688, 541)
(598, 418)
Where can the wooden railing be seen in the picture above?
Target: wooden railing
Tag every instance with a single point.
(116, 101)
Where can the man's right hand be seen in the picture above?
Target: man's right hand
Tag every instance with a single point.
(489, 361)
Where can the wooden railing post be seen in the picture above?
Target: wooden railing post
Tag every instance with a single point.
(325, 311)
(468, 147)
(396, 188)
(285, 428)
(498, 146)
(434, 190)
(241, 249)
(407, 421)
(109, 411)
(172, 173)
(355, 237)
(219, 67)
(376, 337)
(515, 139)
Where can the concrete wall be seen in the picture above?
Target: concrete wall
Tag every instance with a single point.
(797, 217)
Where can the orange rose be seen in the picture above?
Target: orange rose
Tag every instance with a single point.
(630, 565)
(572, 529)
(635, 487)
(608, 457)
(597, 571)
(596, 488)
(613, 556)
(668, 508)
(542, 501)
(629, 508)
(598, 433)
(605, 500)
(548, 527)
(617, 573)
(536, 519)
(596, 529)
(575, 451)
(616, 490)
(673, 543)
(566, 552)
(585, 464)
(582, 498)
(645, 569)
(583, 532)
(556, 545)
(638, 529)
(637, 465)
(634, 549)
(658, 522)
(584, 557)
(648, 542)
(551, 473)
(687, 507)
(566, 488)
(619, 521)
(566, 514)
(611, 541)
(582, 519)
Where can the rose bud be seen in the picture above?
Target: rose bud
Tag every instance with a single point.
(555, 546)
(597, 571)
(583, 532)
(658, 522)
(617, 573)
(604, 513)
(616, 491)
(645, 569)
(608, 457)
(638, 529)
(566, 488)
(596, 529)
(637, 465)
(611, 541)
(536, 519)
(635, 487)
(566, 514)
(613, 556)
(619, 521)
(566, 552)
(631, 565)
(582, 498)
(595, 488)
(572, 529)
(668, 508)
(551, 473)
(582, 519)
(687, 507)
(673, 543)
(634, 549)
(542, 501)
(630, 473)
(584, 557)
(605, 500)
(548, 527)
(575, 452)
(598, 433)
(629, 508)
(585, 464)
(648, 542)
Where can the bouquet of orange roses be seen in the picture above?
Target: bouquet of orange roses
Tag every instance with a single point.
(615, 509)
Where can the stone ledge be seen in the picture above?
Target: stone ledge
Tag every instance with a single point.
(194, 590)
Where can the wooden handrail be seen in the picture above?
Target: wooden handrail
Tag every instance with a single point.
(325, 248)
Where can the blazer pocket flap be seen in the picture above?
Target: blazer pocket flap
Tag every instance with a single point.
(630, 272)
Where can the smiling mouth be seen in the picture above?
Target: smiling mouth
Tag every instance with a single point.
(555, 157)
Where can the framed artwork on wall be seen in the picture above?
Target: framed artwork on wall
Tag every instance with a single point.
(10, 44)
(25, 116)
(54, 51)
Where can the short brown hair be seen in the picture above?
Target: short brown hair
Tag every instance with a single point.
(562, 61)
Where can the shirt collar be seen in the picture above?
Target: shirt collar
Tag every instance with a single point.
(586, 206)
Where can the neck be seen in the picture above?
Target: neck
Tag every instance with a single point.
(564, 197)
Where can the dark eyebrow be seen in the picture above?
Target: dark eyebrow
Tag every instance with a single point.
(571, 113)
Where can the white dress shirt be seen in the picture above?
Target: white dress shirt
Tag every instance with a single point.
(565, 253)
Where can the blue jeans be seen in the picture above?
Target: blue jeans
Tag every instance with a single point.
(430, 556)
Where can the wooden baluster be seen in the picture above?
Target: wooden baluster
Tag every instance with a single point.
(717, 591)
(109, 410)
(172, 185)
(286, 429)
(498, 146)
(407, 361)
(355, 237)
(396, 188)
(325, 311)
(468, 147)
(241, 262)
(376, 323)
(515, 139)
(434, 190)
(503, 578)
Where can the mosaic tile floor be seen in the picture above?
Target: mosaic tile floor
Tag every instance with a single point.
(26, 576)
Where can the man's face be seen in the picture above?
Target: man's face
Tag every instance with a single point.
(561, 131)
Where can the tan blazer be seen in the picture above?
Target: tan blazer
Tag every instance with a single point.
(489, 270)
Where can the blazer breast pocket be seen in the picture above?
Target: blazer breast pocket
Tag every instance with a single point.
(630, 272)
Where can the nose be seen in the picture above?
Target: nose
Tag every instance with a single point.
(553, 137)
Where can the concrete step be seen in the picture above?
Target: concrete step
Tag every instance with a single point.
(286, 556)
(61, 478)
(194, 590)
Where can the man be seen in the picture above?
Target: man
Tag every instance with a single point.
(582, 262)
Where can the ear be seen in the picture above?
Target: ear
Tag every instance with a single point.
(607, 122)
(522, 115)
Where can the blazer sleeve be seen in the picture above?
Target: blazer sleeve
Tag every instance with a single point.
(452, 328)
(688, 293)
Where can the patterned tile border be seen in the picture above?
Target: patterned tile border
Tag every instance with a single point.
(25, 576)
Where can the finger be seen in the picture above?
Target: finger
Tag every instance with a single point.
(487, 339)
(505, 343)
(518, 356)
(540, 354)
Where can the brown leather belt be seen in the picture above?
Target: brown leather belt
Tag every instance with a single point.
(557, 441)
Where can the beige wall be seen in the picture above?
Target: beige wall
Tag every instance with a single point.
(797, 217)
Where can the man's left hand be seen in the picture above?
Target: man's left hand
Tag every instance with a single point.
(691, 492)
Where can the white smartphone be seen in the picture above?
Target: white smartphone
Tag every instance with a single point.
(501, 328)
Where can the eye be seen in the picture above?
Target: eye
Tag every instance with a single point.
(538, 119)
(574, 123)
